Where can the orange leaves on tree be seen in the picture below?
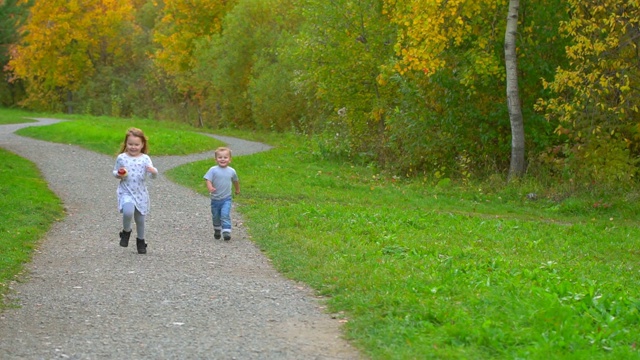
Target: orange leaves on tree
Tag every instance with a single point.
(65, 40)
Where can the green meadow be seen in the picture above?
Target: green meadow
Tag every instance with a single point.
(413, 269)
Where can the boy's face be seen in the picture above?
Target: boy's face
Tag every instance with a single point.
(223, 158)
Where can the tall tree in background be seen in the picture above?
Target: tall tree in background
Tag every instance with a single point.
(64, 42)
(227, 64)
(453, 51)
(596, 95)
(275, 67)
(344, 47)
(12, 14)
(453, 55)
(517, 166)
(183, 24)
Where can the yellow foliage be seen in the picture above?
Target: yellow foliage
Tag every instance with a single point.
(78, 35)
(596, 96)
(603, 61)
(431, 28)
(184, 22)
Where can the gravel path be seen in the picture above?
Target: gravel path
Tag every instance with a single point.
(189, 297)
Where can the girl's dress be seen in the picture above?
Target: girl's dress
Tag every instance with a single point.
(133, 187)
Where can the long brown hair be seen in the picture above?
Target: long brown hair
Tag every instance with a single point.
(137, 133)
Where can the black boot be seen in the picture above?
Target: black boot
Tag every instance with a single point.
(124, 238)
(142, 246)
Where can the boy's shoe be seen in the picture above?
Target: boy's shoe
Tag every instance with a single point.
(124, 238)
(142, 246)
(226, 236)
(216, 234)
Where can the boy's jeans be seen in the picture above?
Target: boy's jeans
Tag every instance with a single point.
(221, 214)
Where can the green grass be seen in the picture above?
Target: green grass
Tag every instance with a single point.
(105, 135)
(15, 116)
(28, 209)
(445, 272)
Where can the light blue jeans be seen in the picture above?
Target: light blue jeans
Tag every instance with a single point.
(221, 214)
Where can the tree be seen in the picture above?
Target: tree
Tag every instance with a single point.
(454, 53)
(63, 42)
(183, 25)
(517, 167)
(595, 96)
(249, 84)
(12, 15)
(344, 48)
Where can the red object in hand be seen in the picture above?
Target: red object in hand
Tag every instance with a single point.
(122, 172)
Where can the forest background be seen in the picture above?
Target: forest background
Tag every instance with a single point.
(410, 87)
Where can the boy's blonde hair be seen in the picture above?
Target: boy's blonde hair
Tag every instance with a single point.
(222, 149)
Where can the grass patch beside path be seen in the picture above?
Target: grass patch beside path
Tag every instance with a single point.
(28, 209)
(15, 116)
(105, 135)
(445, 273)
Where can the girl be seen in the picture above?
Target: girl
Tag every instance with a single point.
(132, 166)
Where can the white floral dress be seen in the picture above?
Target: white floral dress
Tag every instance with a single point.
(133, 187)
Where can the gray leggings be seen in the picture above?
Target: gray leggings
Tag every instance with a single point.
(129, 212)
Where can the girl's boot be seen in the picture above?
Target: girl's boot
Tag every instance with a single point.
(142, 246)
(124, 238)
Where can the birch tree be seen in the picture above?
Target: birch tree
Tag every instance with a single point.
(517, 167)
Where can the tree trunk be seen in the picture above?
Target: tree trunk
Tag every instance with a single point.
(69, 102)
(517, 167)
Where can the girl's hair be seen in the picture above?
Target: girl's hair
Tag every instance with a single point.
(137, 133)
(221, 149)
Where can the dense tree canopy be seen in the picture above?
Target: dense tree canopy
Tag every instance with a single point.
(597, 94)
(411, 86)
(65, 41)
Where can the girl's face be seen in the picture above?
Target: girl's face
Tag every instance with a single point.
(134, 145)
(223, 158)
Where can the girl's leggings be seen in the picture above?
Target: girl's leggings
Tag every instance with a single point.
(129, 212)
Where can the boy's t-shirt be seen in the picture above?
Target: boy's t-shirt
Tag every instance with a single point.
(222, 179)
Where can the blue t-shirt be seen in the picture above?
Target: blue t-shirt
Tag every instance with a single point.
(222, 179)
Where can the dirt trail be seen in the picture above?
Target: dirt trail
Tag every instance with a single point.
(190, 297)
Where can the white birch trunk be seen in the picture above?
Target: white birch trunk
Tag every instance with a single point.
(517, 166)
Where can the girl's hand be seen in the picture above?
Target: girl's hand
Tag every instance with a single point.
(151, 169)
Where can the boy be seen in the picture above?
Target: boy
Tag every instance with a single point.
(220, 179)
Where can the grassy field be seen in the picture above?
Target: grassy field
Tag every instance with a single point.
(419, 271)
(445, 272)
